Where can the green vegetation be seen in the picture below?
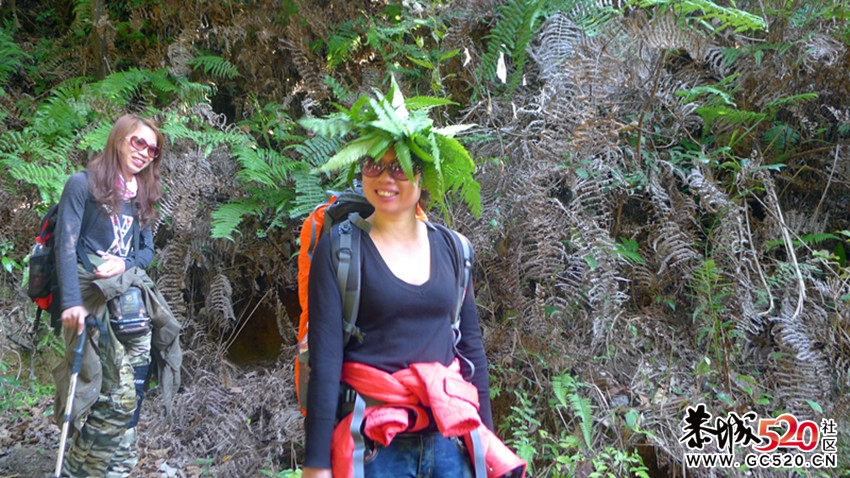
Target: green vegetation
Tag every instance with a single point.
(665, 220)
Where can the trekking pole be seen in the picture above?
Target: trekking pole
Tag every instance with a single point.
(75, 372)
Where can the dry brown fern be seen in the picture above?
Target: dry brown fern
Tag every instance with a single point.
(237, 419)
(219, 304)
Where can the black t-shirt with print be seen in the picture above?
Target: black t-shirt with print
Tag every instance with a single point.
(112, 234)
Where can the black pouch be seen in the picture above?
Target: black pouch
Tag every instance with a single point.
(127, 314)
(41, 272)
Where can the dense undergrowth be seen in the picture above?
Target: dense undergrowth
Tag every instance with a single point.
(665, 192)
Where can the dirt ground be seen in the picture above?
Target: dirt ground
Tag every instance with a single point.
(27, 461)
(29, 439)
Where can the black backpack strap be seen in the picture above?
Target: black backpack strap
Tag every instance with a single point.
(314, 233)
(361, 223)
(345, 253)
(37, 323)
(463, 253)
(137, 230)
(89, 215)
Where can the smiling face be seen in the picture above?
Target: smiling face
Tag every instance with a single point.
(389, 195)
(134, 151)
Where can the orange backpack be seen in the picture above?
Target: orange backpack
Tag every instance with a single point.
(335, 211)
(342, 215)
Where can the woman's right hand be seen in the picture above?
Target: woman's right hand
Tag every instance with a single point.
(316, 473)
(75, 317)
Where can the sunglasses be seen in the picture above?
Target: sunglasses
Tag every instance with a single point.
(139, 144)
(373, 169)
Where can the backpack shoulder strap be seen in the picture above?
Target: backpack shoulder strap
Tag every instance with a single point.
(89, 216)
(345, 254)
(314, 229)
(137, 229)
(463, 253)
(465, 257)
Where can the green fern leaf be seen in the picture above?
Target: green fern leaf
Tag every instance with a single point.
(254, 167)
(63, 113)
(48, 178)
(122, 85)
(342, 43)
(178, 127)
(731, 115)
(582, 408)
(335, 124)
(94, 139)
(191, 93)
(591, 16)
(351, 153)
(318, 149)
(565, 389)
(29, 159)
(459, 168)
(82, 12)
(215, 66)
(706, 11)
(416, 103)
(161, 82)
(226, 219)
(817, 238)
(388, 119)
(28, 146)
(308, 193)
(514, 30)
(11, 57)
(263, 166)
(780, 137)
(340, 91)
(402, 153)
(280, 166)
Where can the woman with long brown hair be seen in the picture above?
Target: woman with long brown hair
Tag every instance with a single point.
(104, 243)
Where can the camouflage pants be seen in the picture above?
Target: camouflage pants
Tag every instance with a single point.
(106, 446)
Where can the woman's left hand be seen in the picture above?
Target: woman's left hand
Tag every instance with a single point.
(111, 267)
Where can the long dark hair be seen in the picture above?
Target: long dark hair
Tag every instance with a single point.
(106, 166)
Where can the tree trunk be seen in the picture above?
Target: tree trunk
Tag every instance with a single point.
(14, 9)
(98, 42)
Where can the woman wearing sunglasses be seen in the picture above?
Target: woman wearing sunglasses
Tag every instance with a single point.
(104, 243)
(421, 397)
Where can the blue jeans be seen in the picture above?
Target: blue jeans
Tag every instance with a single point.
(420, 455)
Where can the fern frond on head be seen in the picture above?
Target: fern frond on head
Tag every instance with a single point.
(391, 121)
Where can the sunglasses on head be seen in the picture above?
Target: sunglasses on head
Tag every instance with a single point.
(372, 169)
(139, 144)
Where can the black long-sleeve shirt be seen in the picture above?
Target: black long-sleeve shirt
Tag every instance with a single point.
(108, 233)
(402, 324)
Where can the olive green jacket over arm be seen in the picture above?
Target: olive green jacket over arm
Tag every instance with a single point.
(165, 343)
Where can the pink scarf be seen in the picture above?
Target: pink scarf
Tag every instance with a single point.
(128, 190)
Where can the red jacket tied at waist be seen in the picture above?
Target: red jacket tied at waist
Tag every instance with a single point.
(452, 400)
